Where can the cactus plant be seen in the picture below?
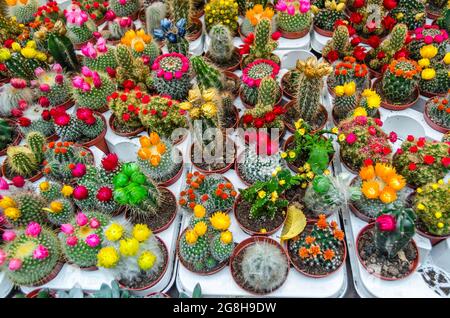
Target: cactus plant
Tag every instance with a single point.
(253, 16)
(326, 16)
(431, 205)
(429, 35)
(421, 161)
(171, 75)
(31, 255)
(118, 26)
(60, 211)
(9, 28)
(207, 75)
(51, 190)
(345, 101)
(412, 13)
(339, 43)
(182, 9)
(126, 109)
(174, 33)
(294, 15)
(98, 57)
(252, 76)
(434, 78)
(154, 13)
(221, 12)
(23, 11)
(22, 61)
(124, 8)
(141, 44)
(80, 27)
(81, 238)
(347, 71)
(11, 94)
(35, 118)
(53, 85)
(36, 142)
(6, 134)
(221, 50)
(437, 110)
(91, 89)
(372, 20)
(400, 81)
(444, 20)
(62, 50)
(131, 68)
(370, 101)
(22, 207)
(24, 160)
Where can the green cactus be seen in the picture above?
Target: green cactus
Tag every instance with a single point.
(181, 9)
(93, 130)
(80, 34)
(24, 12)
(207, 75)
(221, 48)
(22, 161)
(32, 270)
(220, 12)
(70, 132)
(263, 45)
(444, 20)
(126, 119)
(23, 207)
(50, 190)
(340, 43)
(60, 211)
(21, 67)
(6, 134)
(349, 70)
(124, 10)
(40, 125)
(256, 168)
(10, 97)
(36, 142)
(343, 106)
(172, 75)
(95, 98)
(437, 110)
(400, 89)
(219, 250)
(63, 52)
(439, 84)
(294, 23)
(326, 18)
(102, 61)
(194, 253)
(410, 12)
(268, 92)
(416, 44)
(154, 13)
(133, 68)
(59, 90)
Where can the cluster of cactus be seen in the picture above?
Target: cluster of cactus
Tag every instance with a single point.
(171, 75)
(400, 81)
(410, 12)
(294, 15)
(394, 229)
(214, 192)
(326, 15)
(370, 101)
(345, 101)
(132, 68)
(53, 85)
(435, 77)
(264, 267)
(358, 144)
(85, 125)
(62, 157)
(221, 49)
(80, 28)
(61, 48)
(99, 56)
(310, 84)
(117, 27)
(207, 241)
(207, 75)
(438, 110)
(23, 206)
(141, 44)
(253, 16)
(161, 115)
(421, 161)
(30, 255)
(9, 28)
(347, 71)
(222, 12)
(22, 61)
(252, 77)
(157, 158)
(385, 52)
(321, 246)
(154, 13)
(262, 44)
(428, 35)
(431, 205)
(437, 5)
(129, 252)
(26, 160)
(124, 8)
(339, 43)
(174, 34)
(10, 95)
(81, 238)
(126, 109)
(6, 133)
(23, 11)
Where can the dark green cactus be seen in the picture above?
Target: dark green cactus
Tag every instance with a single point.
(207, 75)
(63, 52)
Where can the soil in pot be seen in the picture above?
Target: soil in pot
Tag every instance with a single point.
(231, 118)
(289, 84)
(291, 116)
(403, 264)
(121, 130)
(296, 193)
(388, 104)
(231, 65)
(144, 280)
(165, 215)
(242, 213)
(216, 164)
(232, 83)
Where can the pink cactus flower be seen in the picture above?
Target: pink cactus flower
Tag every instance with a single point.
(178, 74)
(86, 71)
(80, 193)
(3, 184)
(67, 228)
(168, 76)
(41, 252)
(33, 229)
(291, 10)
(18, 83)
(9, 236)
(94, 224)
(79, 170)
(428, 39)
(72, 240)
(57, 68)
(81, 219)
(59, 79)
(96, 80)
(39, 71)
(15, 264)
(89, 51)
(123, 2)
(351, 138)
(44, 87)
(93, 240)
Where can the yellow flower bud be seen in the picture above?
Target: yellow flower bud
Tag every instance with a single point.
(141, 232)
(16, 47)
(199, 211)
(428, 74)
(191, 237)
(349, 88)
(66, 190)
(12, 213)
(262, 194)
(440, 225)
(226, 237)
(438, 215)
(107, 257)
(200, 228)
(420, 206)
(339, 90)
(128, 247)
(56, 206)
(447, 58)
(146, 260)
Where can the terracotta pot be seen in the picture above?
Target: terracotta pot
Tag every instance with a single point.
(33, 178)
(292, 129)
(50, 276)
(336, 122)
(249, 106)
(283, 89)
(395, 107)
(231, 68)
(219, 171)
(293, 35)
(242, 246)
(16, 140)
(341, 159)
(431, 123)
(190, 267)
(133, 133)
(249, 231)
(67, 104)
(433, 15)
(101, 21)
(166, 263)
(311, 223)
(323, 32)
(412, 270)
(198, 30)
(236, 79)
(374, 74)
(99, 141)
(176, 176)
(431, 95)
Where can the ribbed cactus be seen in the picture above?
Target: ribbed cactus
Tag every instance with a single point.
(171, 75)
(132, 68)
(310, 85)
(124, 8)
(345, 102)
(23, 207)
(21, 67)
(221, 48)
(22, 161)
(181, 9)
(268, 92)
(221, 12)
(63, 52)
(326, 17)
(23, 11)
(299, 21)
(60, 211)
(263, 45)
(36, 142)
(101, 61)
(207, 75)
(400, 80)
(31, 256)
(438, 111)
(153, 15)
(95, 97)
(50, 190)
(340, 43)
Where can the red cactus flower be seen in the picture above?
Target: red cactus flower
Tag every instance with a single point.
(62, 119)
(110, 162)
(18, 181)
(24, 122)
(247, 119)
(104, 194)
(429, 160)
(390, 4)
(332, 56)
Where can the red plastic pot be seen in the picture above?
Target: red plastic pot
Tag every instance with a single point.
(33, 178)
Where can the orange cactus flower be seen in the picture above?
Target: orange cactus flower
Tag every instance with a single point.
(154, 138)
(388, 195)
(371, 189)
(322, 222)
(328, 254)
(182, 202)
(161, 148)
(333, 224)
(384, 171)
(155, 160)
(315, 250)
(338, 234)
(309, 240)
(367, 173)
(397, 182)
(303, 252)
(144, 141)
(144, 153)
(192, 205)
(233, 193)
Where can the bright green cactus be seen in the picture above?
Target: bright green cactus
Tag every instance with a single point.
(207, 75)
(6, 135)
(344, 105)
(400, 81)
(23, 11)
(23, 207)
(50, 190)
(32, 255)
(268, 92)
(129, 8)
(63, 52)
(102, 60)
(171, 75)
(325, 18)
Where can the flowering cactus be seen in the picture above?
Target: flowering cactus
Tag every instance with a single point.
(95, 9)
(117, 26)
(174, 34)
(24, 11)
(80, 27)
(293, 15)
(253, 16)
(53, 85)
(98, 57)
(438, 110)
(124, 8)
(428, 35)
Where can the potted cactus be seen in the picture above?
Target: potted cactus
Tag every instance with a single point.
(10, 95)
(9, 135)
(221, 50)
(385, 248)
(422, 161)
(174, 35)
(340, 45)
(141, 44)
(429, 35)
(133, 255)
(144, 200)
(125, 107)
(99, 56)
(205, 246)
(31, 255)
(125, 8)
(252, 76)
(362, 138)
(260, 45)
(294, 18)
(81, 238)
(91, 88)
(398, 87)
(410, 12)
(319, 249)
(24, 11)
(261, 208)
(347, 71)
(80, 28)
(117, 26)
(96, 9)
(213, 192)
(185, 10)
(431, 206)
(159, 160)
(252, 17)
(259, 265)
(34, 117)
(437, 113)
(26, 160)
(59, 207)
(307, 104)
(54, 87)
(435, 79)
(381, 187)
(326, 14)
(222, 12)
(153, 13)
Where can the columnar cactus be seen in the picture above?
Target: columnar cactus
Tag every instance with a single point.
(340, 43)
(438, 110)
(80, 27)
(345, 101)
(30, 255)
(22, 207)
(130, 68)
(182, 9)
(171, 75)
(36, 142)
(294, 15)
(62, 49)
(221, 48)
(23, 160)
(98, 57)
(222, 12)
(23, 11)
(400, 81)
(207, 75)
(124, 8)
(53, 85)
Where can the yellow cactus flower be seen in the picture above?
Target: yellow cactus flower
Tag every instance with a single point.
(420, 206)
(138, 46)
(7, 202)
(263, 231)
(200, 228)
(28, 52)
(435, 186)
(41, 56)
(209, 109)
(282, 182)
(327, 172)
(44, 186)
(56, 207)
(66, 190)
(220, 221)
(341, 137)
(4, 54)
(438, 215)
(440, 225)
(367, 172)
(199, 211)
(370, 189)
(129, 246)
(335, 130)
(191, 237)
(274, 196)
(388, 195)
(16, 47)
(368, 92)
(424, 62)
(397, 182)
(226, 237)
(114, 232)
(262, 194)
(209, 94)
(310, 175)
(12, 213)
(428, 51)
(31, 44)
(185, 105)
(447, 58)
(428, 74)
(301, 131)
(11, 3)
(374, 101)
(292, 154)
(194, 113)
(108, 257)
(350, 88)
(419, 190)
(339, 90)
(146, 260)
(359, 111)
(283, 155)
(298, 123)
(141, 232)
(399, 16)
